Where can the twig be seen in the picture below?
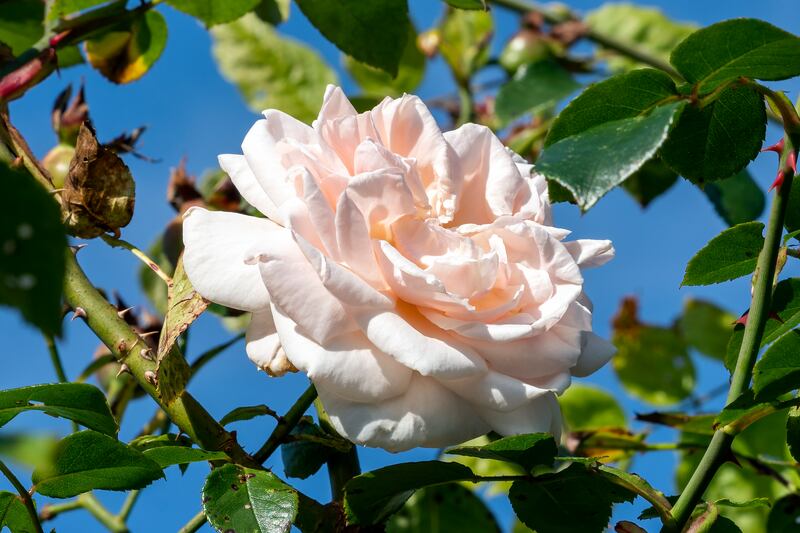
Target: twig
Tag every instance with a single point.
(24, 495)
(119, 243)
(286, 424)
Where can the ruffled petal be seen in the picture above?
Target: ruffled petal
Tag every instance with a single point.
(334, 105)
(590, 253)
(217, 245)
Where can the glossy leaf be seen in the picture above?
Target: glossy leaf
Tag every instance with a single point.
(372, 32)
(734, 48)
(242, 499)
(572, 500)
(736, 199)
(378, 83)
(81, 402)
(533, 88)
(527, 451)
(212, 12)
(33, 248)
(587, 407)
(778, 370)
(464, 44)
(372, 497)
(706, 327)
(719, 140)
(640, 27)
(246, 413)
(271, 71)
(126, 52)
(786, 305)
(730, 255)
(627, 145)
(89, 460)
(170, 449)
(649, 182)
(443, 509)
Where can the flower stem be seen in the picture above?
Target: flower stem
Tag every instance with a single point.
(24, 495)
(286, 424)
(127, 505)
(195, 523)
(92, 504)
(717, 451)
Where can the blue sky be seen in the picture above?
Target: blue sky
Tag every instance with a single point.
(191, 111)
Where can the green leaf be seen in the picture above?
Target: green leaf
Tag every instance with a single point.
(271, 71)
(302, 459)
(14, 515)
(372, 32)
(247, 412)
(586, 408)
(736, 199)
(778, 370)
(650, 181)
(628, 143)
(792, 220)
(487, 468)
(465, 39)
(533, 88)
(89, 460)
(786, 305)
(33, 245)
(126, 52)
(243, 499)
(81, 402)
(443, 509)
(528, 451)
(793, 432)
(27, 449)
(730, 255)
(212, 12)
(746, 410)
(719, 140)
(21, 26)
(575, 499)
(273, 11)
(706, 327)
(785, 515)
(372, 497)
(60, 8)
(468, 4)
(734, 48)
(641, 28)
(623, 96)
(171, 449)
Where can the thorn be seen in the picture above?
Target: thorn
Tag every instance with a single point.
(77, 248)
(123, 312)
(147, 354)
(777, 147)
(151, 378)
(742, 320)
(123, 369)
(149, 333)
(79, 312)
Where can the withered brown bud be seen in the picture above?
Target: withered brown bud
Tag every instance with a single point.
(182, 190)
(125, 143)
(99, 192)
(68, 115)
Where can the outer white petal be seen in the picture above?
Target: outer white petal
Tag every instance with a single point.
(590, 252)
(428, 415)
(347, 365)
(494, 391)
(596, 352)
(217, 245)
(334, 105)
(262, 340)
(540, 415)
(242, 177)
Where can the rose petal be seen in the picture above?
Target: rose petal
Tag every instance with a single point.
(262, 340)
(494, 390)
(355, 244)
(540, 415)
(245, 181)
(217, 245)
(334, 105)
(595, 353)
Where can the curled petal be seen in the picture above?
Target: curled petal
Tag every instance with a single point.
(263, 343)
(590, 253)
(245, 181)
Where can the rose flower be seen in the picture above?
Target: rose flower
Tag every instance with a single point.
(413, 275)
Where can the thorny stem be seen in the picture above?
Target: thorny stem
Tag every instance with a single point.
(717, 451)
(24, 495)
(140, 255)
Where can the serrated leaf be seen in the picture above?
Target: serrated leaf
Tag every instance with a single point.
(627, 144)
(89, 460)
(730, 255)
(270, 71)
(574, 499)
(786, 305)
(527, 451)
(247, 412)
(33, 244)
(744, 411)
(170, 449)
(587, 407)
(212, 12)
(80, 402)
(533, 88)
(373, 496)
(243, 499)
(465, 39)
(649, 182)
(719, 140)
(734, 48)
(14, 515)
(443, 509)
(706, 327)
(127, 51)
(778, 370)
(736, 199)
(372, 32)
(375, 82)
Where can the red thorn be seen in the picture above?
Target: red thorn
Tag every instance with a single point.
(742, 319)
(778, 181)
(777, 147)
(55, 40)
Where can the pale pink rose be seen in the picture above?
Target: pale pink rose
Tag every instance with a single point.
(415, 276)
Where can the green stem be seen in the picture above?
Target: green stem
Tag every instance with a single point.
(52, 510)
(59, 367)
(196, 522)
(24, 495)
(465, 107)
(342, 466)
(97, 510)
(717, 451)
(604, 40)
(140, 255)
(127, 505)
(286, 424)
